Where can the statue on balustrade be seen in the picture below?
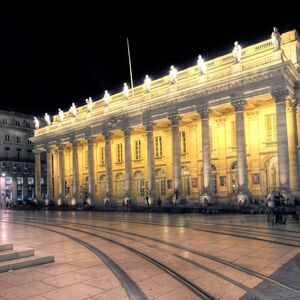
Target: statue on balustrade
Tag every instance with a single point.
(61, 115)
(237, 52)
(201, 65)
(47, 119)
(276, 38)
(36, 123)
(126, 90)
(173, 75)
(106, 98)
(89, 103)
(73, 110)
(147, 83)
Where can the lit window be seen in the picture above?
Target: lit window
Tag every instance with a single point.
(119, 153)
(270, 127)
(158, 146)
(182, 142)
(30, 180)
(137, 149)
(8, 180)
(19, 180)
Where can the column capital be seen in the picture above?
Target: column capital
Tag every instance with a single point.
(148, 125)
(280, 95)
(107, 135)
(175, 118)
(204, 112)
(293, 104)
(61, 147)
(238, 103)
(90, 139)
(37, 150)
(126, 131)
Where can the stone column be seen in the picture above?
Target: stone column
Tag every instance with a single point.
(61, 184)
(76, 183)
(37, 172)
(49, 175)
(238, 104)
(293, 148)
(206, 155)
(150, 161)
(108, 166)
(282, 141)
(176, 155)
(128, 167)
(91, 170)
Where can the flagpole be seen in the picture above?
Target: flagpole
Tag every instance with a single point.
(130, 70)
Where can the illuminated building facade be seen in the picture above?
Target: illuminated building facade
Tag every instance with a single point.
(228, 131)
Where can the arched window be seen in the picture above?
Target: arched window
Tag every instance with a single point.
(186, 179)
(160, 182)
(120, 185)
(139, 184)
(234, 177)
(102, 185)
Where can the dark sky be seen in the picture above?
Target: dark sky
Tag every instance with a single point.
(55, 53)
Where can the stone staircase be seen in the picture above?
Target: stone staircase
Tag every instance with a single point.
(18, 259)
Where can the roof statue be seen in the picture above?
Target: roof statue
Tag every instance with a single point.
(126, 90)
(147, 83)
(89, 103)
(36, 123)
(173, 74)
(201, 65)
(61, 115)
(237, 52)
(106, 98)
(276, 38)
(73, 110)
(47, 119)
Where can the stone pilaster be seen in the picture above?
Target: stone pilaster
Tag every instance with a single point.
(279, 96)
(49, 175)
(150, 161)
(61, 184)
(108, 165)
(37, 181)
(76, 183)
(238, 104)
(206, 155)
(128, 166)
(176, 155)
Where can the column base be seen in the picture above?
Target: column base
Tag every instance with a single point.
(73, 201)
(242, 197)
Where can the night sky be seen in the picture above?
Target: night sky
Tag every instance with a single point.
(53, 54)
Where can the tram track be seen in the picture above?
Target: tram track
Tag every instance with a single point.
(132, 289)
(202, 254)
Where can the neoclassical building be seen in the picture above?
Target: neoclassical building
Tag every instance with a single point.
(226, 132)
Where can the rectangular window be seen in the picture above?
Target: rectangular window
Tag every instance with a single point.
(233, 134)
(27, 125)
(6, 138)
(29, 154)
(8, 180)
(102, 155)
(19, 180)
(30, 180)
(158, 146)
(18, 154)
(17, 123)
(270, 128)
(4, 121)
(119, 154)
(7, 152)
(18, 140)
(182, 142)
(137, 144)
(28, 142)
